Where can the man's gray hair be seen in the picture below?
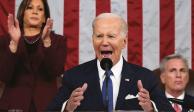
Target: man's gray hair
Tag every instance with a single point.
(170, 57)
(124, 26)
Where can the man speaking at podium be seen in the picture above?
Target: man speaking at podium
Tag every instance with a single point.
(112, 84)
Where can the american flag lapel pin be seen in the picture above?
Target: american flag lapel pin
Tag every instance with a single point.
(127, 80)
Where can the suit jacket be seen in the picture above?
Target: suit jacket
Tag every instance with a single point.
(88, 73)
(189, 103)
(30, 73)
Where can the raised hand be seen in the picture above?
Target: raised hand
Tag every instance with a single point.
(144, 98)
(47, 29)
(76, 98)
(13, 28)
(46, 32)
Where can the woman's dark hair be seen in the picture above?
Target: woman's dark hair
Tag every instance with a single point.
(24, 4)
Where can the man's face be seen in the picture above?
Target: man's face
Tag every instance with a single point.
(175, 77)
(107, 39)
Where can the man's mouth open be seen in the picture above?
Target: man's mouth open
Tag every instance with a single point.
(106, 54)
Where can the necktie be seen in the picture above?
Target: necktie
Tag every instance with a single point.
(107, 91)
(176, 107)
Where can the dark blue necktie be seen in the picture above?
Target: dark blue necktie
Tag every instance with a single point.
(107, 91)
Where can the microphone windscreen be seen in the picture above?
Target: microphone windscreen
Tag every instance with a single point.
(106, 64)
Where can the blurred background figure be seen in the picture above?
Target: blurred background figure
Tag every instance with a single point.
(175, 77)
(31, 59)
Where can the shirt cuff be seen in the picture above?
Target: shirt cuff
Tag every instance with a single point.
(64, 105)
(154, 105)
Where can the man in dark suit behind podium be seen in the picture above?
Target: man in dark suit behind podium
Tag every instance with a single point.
(134, 87)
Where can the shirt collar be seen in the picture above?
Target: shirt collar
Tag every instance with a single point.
(116, 69)
(181, 97)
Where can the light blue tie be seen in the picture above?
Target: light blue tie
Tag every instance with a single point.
(107, 91)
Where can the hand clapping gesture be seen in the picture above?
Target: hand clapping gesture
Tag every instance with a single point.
(14, 32)
(46, 32)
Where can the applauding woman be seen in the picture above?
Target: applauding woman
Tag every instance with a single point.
(31, 58)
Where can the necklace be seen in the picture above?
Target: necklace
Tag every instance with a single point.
(32, 41)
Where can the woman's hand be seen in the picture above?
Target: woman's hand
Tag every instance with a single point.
(14, 32)
(13, 29)
(46, 33)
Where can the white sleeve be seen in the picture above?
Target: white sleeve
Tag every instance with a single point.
(64, 105)
(154, 105)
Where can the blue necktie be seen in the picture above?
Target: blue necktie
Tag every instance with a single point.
(107, 91)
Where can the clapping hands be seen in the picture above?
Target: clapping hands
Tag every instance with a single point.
(46, 32)
(13, 28)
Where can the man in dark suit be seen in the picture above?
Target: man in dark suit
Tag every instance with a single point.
(175, 76)
(134, 87)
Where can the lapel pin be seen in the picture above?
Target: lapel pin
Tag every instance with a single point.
(127, 80)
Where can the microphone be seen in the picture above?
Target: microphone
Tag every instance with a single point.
(186, 103)
(106, 64)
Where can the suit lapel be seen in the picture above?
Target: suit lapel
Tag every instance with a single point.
(187, 108)
(127, 84)
(94, 91)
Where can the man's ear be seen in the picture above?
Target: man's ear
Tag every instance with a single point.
(162, 78)
(125, 41)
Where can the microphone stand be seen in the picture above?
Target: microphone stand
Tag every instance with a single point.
(106, 79)
(106, 65)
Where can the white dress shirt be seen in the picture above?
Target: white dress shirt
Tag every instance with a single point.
(116, 78)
